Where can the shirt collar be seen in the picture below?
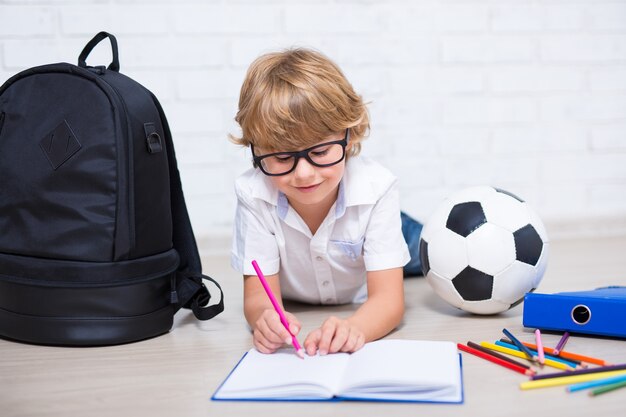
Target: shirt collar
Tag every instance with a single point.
(355, 189)
(262, 188)
(340, 204)
(282, 208)
(357, 183)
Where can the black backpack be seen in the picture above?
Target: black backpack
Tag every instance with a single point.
(96, 247)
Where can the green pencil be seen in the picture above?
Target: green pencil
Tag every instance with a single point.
(607, 388)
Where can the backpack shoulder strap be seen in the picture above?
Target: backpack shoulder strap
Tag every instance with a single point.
(189, 290)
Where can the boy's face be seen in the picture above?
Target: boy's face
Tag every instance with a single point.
(309, 185)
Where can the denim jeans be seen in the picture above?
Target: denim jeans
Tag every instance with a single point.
(412, 229)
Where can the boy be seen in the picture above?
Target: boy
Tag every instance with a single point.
(323, 224)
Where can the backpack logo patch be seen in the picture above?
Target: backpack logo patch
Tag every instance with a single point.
(60, 145)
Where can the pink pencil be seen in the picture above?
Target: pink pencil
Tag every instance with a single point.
(539, 343)
(283, 319)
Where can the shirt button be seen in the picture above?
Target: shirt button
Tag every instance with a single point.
(325, 283)
(319, 258)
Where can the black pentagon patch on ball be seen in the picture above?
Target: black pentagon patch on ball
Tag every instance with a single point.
(473, 285)
(464, 218)
(424, 256)
(528, 245)
(509, 194)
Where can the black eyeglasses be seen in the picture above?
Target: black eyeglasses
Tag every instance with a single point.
(323, 155)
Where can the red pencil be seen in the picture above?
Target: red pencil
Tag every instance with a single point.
(495, 360)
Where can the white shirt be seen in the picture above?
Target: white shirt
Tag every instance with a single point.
(361, 232)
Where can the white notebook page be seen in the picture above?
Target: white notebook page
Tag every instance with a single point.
(283, 374)
(421, 368)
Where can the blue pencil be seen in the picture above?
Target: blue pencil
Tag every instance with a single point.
(596, 383)
(554, 358)
(521, 346)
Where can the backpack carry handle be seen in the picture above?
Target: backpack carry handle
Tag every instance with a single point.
(114, 65)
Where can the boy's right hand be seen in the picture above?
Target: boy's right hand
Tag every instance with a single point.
(269, 333)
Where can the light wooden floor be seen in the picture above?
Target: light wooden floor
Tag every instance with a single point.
(175, 374)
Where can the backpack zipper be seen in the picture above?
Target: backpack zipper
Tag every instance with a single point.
(128, 148)
(130, 167)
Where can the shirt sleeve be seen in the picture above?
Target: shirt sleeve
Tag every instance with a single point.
(384, 246)
(253, 238)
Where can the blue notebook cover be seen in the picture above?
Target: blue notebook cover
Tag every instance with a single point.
(597, 312)
(391, 371)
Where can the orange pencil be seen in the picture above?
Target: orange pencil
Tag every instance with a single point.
(569, 355)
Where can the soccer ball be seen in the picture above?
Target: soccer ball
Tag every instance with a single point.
(483, 249)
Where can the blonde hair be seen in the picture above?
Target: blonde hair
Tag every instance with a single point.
(295, 98)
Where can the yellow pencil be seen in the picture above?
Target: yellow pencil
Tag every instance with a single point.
(566, 380)
(519, 354)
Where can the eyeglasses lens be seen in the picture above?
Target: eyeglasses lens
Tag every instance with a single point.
(325, 155)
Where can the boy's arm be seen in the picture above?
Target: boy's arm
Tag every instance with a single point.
(384, 308)
(379, 315)
(255, 300)
(269, 333)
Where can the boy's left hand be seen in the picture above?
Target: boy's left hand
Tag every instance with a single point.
(335, 335)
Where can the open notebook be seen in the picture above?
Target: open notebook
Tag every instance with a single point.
(385, 370)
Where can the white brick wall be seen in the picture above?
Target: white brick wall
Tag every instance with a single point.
(529, 96)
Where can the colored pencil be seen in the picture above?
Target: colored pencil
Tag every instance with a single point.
(566, 380)
(520, 345)
(620, 367)
(547, 351)
(498, 355)
(494, 359)
(539, 343)
(571, 365)
(519, 354)
(608, 388)
(283, 318)
(569, 355)
(597, 383)
(559, 346)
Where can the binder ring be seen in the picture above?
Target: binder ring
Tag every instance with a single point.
(581, 314)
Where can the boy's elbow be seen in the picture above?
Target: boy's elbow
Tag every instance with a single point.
(401, 305)
(398, 314)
